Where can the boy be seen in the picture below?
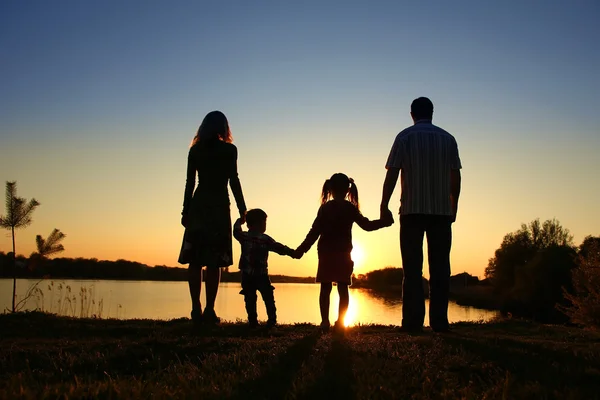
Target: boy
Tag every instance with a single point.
(253, 264)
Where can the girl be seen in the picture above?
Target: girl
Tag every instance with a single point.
(333, 227)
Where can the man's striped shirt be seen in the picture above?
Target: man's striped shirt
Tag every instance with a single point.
(425, 154)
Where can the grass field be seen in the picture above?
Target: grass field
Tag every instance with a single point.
(44, 356)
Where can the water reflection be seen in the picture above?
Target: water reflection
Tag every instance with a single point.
(296, 303)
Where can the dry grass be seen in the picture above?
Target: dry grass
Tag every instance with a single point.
(44, 356)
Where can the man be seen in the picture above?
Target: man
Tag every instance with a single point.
(427, 157)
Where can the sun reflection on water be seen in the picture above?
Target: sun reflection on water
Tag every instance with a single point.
(353, 310)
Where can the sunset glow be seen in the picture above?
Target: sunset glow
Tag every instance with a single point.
(99, 131)
(357, 254)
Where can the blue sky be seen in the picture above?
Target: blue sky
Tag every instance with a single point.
(99, 101)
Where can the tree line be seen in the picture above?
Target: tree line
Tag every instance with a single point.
(92, 268)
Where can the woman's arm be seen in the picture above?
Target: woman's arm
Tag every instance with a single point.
(189, 183)
(236, 186)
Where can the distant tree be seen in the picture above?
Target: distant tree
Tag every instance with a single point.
(46, 248)
(388, 279)
(51, 245)
(18, 215)
(584, 307)
(518, 248)
(463, 280)
(541, 284)
(590, 247)
(531, 266)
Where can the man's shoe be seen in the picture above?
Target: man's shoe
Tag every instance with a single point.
(252, 324)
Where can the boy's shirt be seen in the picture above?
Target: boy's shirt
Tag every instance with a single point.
(255, 250)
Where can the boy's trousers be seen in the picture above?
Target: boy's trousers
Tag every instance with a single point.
(261, 283)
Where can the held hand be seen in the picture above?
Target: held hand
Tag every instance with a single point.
(243, 217)
(384, 211)
(297, 254)
(388, 218)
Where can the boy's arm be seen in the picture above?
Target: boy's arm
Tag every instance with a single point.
(238, 233)
(281, 249)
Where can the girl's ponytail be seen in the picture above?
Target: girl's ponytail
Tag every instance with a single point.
(326, 192)
(353, 193)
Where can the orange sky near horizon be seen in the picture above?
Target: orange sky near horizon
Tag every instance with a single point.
(112, 217)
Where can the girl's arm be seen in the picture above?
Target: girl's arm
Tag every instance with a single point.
(313, 234)
(236, 186)
(369, 225)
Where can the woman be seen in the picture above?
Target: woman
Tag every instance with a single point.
(206, 218)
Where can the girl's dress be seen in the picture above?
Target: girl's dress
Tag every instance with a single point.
(333, 228)
(207, 239)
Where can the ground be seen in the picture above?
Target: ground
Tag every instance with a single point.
(45, 356)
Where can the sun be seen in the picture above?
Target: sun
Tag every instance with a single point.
(357, 254)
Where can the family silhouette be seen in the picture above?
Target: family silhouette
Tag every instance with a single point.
(424, 157)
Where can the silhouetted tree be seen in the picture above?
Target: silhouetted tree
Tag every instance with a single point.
(531, 266)
(584, 307)
(18, 215)
(46, 248)
(386, 279)
(589, 248)
(518, 248)
(51, 245)
(541, 283)
(463, 280)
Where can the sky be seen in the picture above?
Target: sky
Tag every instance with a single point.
(99, 102)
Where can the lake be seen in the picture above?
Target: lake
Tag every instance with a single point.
(296, 302)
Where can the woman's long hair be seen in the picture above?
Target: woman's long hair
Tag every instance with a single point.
(213, 127)
(340, 183)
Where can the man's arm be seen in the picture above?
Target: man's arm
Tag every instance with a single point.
(455, 182)
(391, 177)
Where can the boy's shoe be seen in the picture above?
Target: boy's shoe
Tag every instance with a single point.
(210, 317)
(252, 324)
(325, 326)
(196, 316)
(271, 323)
